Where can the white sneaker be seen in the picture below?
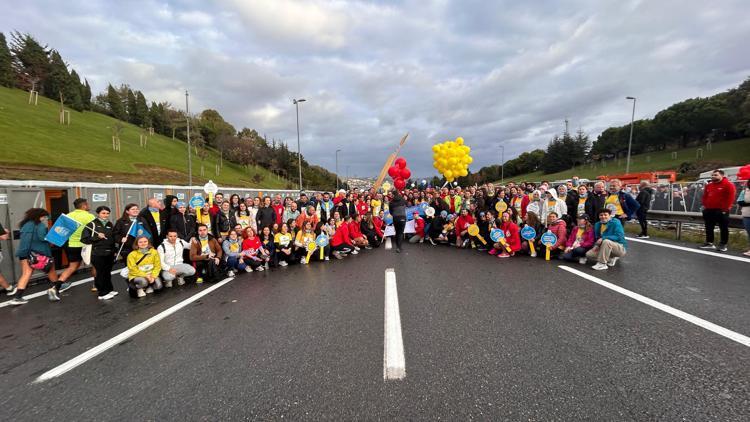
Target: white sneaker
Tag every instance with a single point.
(599, 266)
(533, 255)
(354, 252)
(114, 293)
(248, 269)
(149, 290)
(108, 296)
(283, 264)
(168, 284)
(230, 273)
(356, 248)
(612, 261)
(582, 261)
(328, 259)
(13, 288)
(303, 261)
(180, 281)
(261, 268)
(140, 293)
(52, 295)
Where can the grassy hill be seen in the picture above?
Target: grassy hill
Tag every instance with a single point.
(34, 145)
(722, 154)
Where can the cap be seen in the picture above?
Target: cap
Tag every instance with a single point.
(583, 216)
(180, 204)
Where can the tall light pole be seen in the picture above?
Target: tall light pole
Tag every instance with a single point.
(299, 151)
(502, 164)
(337, 169)
(190, 155)
(630, 141)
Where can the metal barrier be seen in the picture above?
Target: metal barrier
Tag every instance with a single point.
(680, 218)
(684, 197)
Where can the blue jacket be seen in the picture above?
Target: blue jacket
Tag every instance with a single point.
(32, 239)
(614, 232)
(629, 204)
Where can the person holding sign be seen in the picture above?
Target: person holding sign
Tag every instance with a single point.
(305, 242)
(463, 222)
(581, 239)
(511, 234)
(557, 226)
(419, 235)
(531, 233)
(33, 249)
(610, 242)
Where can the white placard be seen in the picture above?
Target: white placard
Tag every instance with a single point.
(410, 227)
(159, 195)
(389, 231)
(180, 196)
(98, 197)
(210, 187)
(3, 198)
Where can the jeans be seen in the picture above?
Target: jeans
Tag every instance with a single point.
(606, 251)
(415, 238)
(574, 254)
(712, 217)
(235, 263)
(746, 222)
(641, 213)
(183, 270)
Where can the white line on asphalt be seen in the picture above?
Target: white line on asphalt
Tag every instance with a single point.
(114, 341)
(694, 250)
(394, 364)
(388, 244)
(44, 292)
(732, 335)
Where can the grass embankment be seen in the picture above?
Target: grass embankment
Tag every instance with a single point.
(722, 154)
(34, 145)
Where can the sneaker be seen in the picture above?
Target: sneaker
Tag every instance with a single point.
(12, 289)
(643, 236)
(180, 281)
(18, 301)
(432, 241)
(746, 253)
(707, 245)
(283, 264)
(354, 252)
(108, 296)
(337, 255)
(199, 280)
(303, 261)
(328, 259)
(149, 290)
(533, 255)
(722, 248)
(230, 273)
(261, 268)
(493, 251)
(600, 266)
(114, 293)
(398, 250)
(140, 293)
(356, 248)
(168, 284)
(267, 266)
(65, 286)
(582, 261)
(504, 255)
(368, 247)
(248, 269)
(612, 261)
(52, 295)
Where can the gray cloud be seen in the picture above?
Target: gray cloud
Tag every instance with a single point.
(491, 72)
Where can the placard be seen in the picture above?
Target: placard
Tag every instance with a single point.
(197, 201)
(549, 239)
(181, 196)
(3, 198)
(98, 197)
(528, 233)
(496, 235)
(159, 195)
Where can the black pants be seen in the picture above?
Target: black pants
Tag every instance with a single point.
(103, 279)
(641, 213)
(712, 217)
(399, 225)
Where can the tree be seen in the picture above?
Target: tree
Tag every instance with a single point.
(6, 64)
(86, 95)
(212, 125)
(31, 64)
(130, 107)
(566, 152)
(72, 93)
(139, 115)
(114, 104)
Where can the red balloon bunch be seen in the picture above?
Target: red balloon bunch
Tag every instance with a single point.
(744, 173)
(400, 173)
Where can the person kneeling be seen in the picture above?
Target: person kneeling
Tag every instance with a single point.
(610, 242)
(172, 264)
(144, 266)
(580, 240)
(233, 253)
(206, 254)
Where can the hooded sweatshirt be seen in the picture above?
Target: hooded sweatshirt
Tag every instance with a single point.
(560, 230)
(555, 204)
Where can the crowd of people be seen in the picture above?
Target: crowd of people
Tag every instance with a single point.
(228, 235)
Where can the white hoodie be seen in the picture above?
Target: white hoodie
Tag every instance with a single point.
(170, 254)
(560, 208)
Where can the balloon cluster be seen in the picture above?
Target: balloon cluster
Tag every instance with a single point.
(744, 173)
(400, 173)
(452, 159)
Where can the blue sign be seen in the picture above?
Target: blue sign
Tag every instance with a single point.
(496, 235)
(388, 218)
(197, 201)
(549, 239)
(418, 209)
(528, 233)
(321, 241)
(61, 231)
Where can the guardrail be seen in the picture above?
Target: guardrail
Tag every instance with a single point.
(680, 218)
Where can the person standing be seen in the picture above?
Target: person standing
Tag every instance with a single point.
(73, 247)
(397, 208)
(266, 215)
(645, 195)
(718, 198)
(100, 235)
(155, 220)
(743, 202)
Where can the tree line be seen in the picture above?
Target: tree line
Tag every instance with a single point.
(27, 64)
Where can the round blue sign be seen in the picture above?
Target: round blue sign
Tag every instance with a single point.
(321, 241)
(549, 239)
(388, 219)
(197, 201)
(528, 233)
(496, 235)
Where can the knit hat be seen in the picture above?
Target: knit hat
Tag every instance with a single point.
(181, 204)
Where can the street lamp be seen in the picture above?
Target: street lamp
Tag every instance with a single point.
(190, 158)
(630, 141)
(299, 152)
(337, 169)
(502, 164)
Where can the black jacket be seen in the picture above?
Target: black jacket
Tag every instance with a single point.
(265, 217)
(644, 198)
(223, 223)
(594, 204)
(99, 247)
(148, 222)
(184, 224)
(121, 229)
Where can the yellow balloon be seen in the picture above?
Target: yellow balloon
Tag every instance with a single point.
(435, 148)
(448, 174)
(471, 160)
(460, 141)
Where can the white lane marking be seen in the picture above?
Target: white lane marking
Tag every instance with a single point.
(114, 341)
(710, 326)
(693, 250)
(388, 244)
(394, 364)
(44, 292)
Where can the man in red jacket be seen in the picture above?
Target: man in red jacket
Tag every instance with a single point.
(718, 197)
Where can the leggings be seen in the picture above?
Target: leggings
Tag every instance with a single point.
(399, 225)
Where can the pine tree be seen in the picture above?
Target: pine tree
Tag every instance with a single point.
(114, 104)
(131, 107)
(31, 62)
(6, 67)
(72, 92)
(86, 95)
(58, 79)
(140, 115)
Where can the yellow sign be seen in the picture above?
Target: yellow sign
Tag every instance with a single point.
(474, 231)
(501, 206)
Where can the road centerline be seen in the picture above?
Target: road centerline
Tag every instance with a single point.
(394, 364)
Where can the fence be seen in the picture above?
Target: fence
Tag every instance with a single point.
(685, 197)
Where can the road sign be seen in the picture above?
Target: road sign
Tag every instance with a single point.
(197, 201)
(528, 233)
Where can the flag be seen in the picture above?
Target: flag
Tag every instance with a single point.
(61, 231)
(137, 229)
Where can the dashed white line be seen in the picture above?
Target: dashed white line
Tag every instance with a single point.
(388, 244)
(693, 250)
(114, 341)
(44, 292)
(710, 326)
(394, 364)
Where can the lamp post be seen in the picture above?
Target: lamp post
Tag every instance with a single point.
(299, 151)
(190, 155)
(502, 164)
(630, 141)
(337, 169)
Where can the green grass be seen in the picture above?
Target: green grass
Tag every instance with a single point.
(32, 135)
(729, 153)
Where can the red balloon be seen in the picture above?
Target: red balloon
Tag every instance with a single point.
(400, 162)
(399, 183)
(744, 173)
(405, 173)
(393, 171)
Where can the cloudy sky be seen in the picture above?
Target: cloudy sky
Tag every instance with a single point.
(490, 71)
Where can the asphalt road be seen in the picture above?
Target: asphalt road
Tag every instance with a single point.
(484, 338)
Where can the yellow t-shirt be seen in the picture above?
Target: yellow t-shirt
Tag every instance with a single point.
(157, 220)
(579, 234)
(282, 239)
(205, 249)
(613, 202)
(581, 206)
(602, 229)
(234, 247)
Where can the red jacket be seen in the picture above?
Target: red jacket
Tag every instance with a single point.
(462, 223)
(512, 235)
(419, 227)
(362, 208)
(213, 210)
(719, 195)
(354, 230)
(279, 210)
(561, 231)
(341, 236)
(378, 224)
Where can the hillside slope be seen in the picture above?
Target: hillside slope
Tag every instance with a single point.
(34, 145)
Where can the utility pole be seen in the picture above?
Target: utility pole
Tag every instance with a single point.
(502, 163)
(299, 151)
(566, 125)
(630, 141)
(190, 155)
(337, 169)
